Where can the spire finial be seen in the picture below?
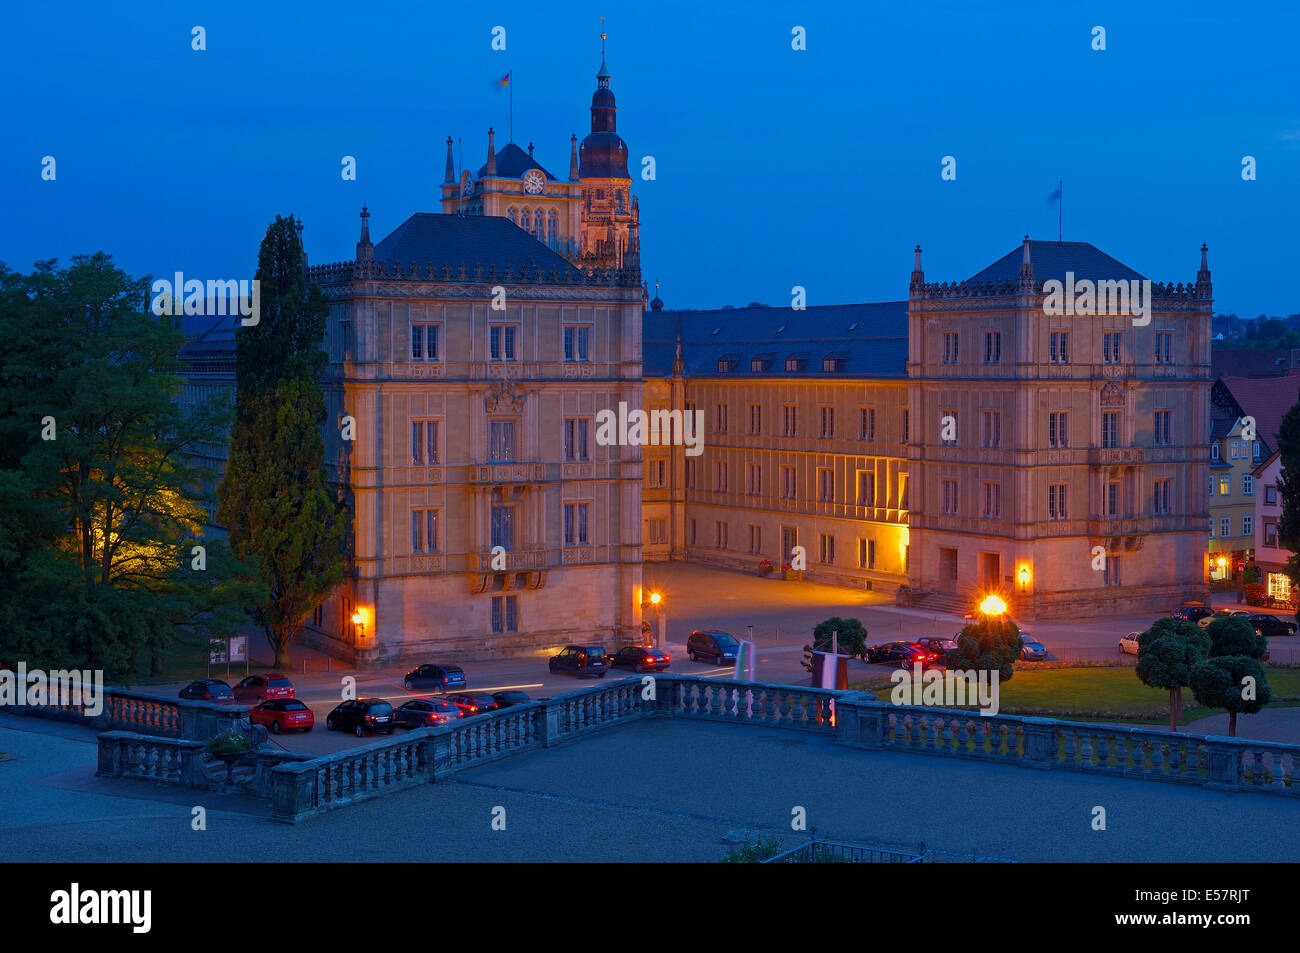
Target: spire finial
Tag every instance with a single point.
(492, 153)
(1205, 264)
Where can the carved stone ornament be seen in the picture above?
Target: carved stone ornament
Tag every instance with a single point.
(504, 395)
(1112, 394)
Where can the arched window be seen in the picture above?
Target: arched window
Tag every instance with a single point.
(552, 227)
(526, 220)
(512, 214)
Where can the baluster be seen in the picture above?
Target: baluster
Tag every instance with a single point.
(1157, 759)
(1257, 767)
(947, 737)
(1275, 781)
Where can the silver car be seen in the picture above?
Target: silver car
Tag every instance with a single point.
(1128, 644)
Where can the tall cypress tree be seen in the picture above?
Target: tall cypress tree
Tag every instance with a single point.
(274, 497)
(1288, 486)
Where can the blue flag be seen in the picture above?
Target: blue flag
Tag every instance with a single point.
(1056, 194)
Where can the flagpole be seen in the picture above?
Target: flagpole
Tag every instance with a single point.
(1060, 211)
(510, 81)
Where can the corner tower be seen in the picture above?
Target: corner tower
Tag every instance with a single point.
(610, 214)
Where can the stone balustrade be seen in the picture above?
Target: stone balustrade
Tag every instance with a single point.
(158, 715)
(185, 763)
(301, 787)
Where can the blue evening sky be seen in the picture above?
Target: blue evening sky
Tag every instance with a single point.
(775, 168)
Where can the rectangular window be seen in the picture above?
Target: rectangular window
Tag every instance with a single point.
(992, 347)
(1270, 534)
(690, 532)
(866, 488)
(720, 535)
(787, 483)
(1058, 507)
(755, 419)
(1248, 525)
(424, 342)
(1270, 495)
(501, 341)
(992, 426)
(575, 524)
(1110, 353)
(1058, 429)
(866, 423)
(1247, 484)
(992, 501)
(827, 548)
(1255, 455)
(689, 474)
(1160, 497)
(755, 539)
(906, 426)
(826, 485)
(1225, 526)
(1112, 500)
(950, 347)
(505, 614)
(789, 540)
(1060, 347)
(719, 418)
(1225, 485)
(1110, 429)
(720, 476)
(948, 490)
(754, 480)
(1214, 451)
(828, 422)
(503, 527)
(948, 425)
(1164, 347)
(788, 420)
(1111, 571)
(575, 342)
(656, 473)
(1164, 428)
(902, 490)
(502, 440)
(575, 438)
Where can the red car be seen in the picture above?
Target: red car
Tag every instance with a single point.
(260, 688)
(283, 714)
(473, 704)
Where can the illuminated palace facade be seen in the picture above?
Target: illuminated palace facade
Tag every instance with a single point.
(960, 442)
(470, 351)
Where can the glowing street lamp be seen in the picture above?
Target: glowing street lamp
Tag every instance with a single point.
(993, 605)
(1024, 577)
(359, 620)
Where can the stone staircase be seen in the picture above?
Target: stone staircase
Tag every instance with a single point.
(949, 602)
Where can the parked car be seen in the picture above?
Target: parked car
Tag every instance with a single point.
(1204, 621)
(583, 661)
(718, 647)
(477, 704)
(1032, 650)
(506, 699)
(906, 653)
(1271, 625)
(360, 716)
(938, 645)
(283, 714)
(208, 690)
(1192, 611)
(640, 658)
(1128, 644)
(259, 688)
(439, 678)
(424, 712)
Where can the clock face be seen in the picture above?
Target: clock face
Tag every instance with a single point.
(534, 182)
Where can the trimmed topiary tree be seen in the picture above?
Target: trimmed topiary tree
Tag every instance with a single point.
(991, 644)
(1168, 652)
(1235, 683)
(853, 636)
(1235, 635)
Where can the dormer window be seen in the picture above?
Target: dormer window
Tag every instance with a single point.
(725, 364)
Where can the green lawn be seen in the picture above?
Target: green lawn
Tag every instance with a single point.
(1103, 694)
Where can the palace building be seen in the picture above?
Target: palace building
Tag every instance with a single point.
(965, 441)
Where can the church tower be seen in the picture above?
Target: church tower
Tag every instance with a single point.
(610, 214)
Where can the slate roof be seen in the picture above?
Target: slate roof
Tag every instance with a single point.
(470, 240)
(1054, 259)
(1267, 399)
(870, 339)
(512, 163)
(215, 343)
(1253, 362)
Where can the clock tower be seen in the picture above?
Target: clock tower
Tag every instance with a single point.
(610, 213)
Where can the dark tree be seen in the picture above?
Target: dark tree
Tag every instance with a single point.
(991, 644)
(1167, 654)
(1288, 486)
(852, 638)
(1234, 635)
(274, 498)
(1232, 682)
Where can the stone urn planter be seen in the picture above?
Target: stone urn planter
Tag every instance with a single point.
(792, 574)
(765, 568)
(230, 749)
